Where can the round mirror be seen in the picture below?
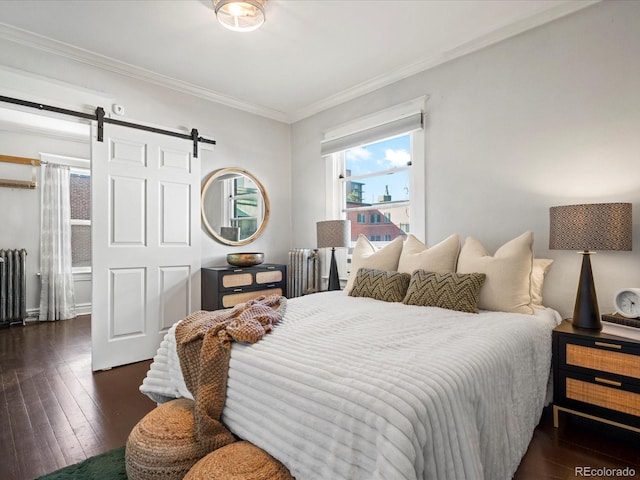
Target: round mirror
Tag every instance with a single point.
(234, 206)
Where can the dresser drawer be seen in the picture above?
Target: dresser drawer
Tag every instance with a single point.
(231, 299)
(269, 276)
(234, 280)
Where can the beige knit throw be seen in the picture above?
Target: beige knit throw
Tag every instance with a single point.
(204, 348)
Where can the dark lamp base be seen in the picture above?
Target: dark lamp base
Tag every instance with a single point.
(334, 280)
(585, 313)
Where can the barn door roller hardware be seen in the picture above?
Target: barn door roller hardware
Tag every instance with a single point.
(101, 120)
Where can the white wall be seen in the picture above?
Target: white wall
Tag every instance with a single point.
(550, 117)
(254, 143)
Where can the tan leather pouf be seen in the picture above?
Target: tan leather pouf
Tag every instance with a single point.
(163, 444)
(239, 461)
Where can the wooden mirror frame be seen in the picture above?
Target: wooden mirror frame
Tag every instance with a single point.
(216, 174)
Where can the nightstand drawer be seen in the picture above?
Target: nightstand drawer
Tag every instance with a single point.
(604, 360)
(601, 395)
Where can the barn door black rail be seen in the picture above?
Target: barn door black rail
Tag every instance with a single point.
(100, 118)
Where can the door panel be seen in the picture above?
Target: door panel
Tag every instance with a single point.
(145, 242)
(175, 200)
(128, 208)
(127, 304)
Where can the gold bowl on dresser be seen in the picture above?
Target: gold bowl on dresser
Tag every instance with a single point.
(245, 259)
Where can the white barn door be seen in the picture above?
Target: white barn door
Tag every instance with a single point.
(145, 241)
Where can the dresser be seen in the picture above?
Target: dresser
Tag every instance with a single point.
(596, 375)
(224, 287)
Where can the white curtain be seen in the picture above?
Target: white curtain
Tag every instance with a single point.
(57, 300)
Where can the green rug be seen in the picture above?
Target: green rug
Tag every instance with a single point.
(106, 466)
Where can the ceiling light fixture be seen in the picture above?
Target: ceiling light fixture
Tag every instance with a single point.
(240, 15)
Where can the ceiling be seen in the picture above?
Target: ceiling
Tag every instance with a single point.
(309, 55)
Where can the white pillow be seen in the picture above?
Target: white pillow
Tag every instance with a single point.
(507, 287)
(540, 269)
(441, 258)
(366, 255)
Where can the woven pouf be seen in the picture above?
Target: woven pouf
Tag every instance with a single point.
(239, 461)
(163, 444)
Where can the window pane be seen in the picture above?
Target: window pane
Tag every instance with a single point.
(376, 157)
(390, 221)
(377, 180)
(80, 196)
(80, 245)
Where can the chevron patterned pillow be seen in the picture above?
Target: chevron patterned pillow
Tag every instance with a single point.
(381, 285)
(453, 291)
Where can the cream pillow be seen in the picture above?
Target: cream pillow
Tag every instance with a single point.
(366, 255)
(440, 258)
(507, 287)
(540, 269)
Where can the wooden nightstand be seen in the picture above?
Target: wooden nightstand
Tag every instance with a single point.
(224, 287)
(596, 375)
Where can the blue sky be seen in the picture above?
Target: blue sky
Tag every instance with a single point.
(383, 155)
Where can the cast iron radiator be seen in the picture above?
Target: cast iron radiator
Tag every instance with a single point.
(303, 272)
(13, 286)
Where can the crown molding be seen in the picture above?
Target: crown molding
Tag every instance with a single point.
(46, 44)
(49, 45)
(503, 33)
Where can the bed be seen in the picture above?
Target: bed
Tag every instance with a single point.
(356, 388)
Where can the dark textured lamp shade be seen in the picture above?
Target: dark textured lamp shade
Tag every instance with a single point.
(589, 227)
(334, 234)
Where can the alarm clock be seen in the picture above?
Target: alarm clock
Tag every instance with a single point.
(627, 302)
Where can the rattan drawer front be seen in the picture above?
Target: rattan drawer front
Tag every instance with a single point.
(611, 398)
(237, 280)
(272, 276)
(603, 360)
(236, 298)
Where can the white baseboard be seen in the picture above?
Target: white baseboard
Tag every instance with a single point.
(81, 309)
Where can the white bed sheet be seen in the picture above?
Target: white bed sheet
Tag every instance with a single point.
(354, 388)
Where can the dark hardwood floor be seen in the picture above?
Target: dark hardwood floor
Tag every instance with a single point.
(54, 411)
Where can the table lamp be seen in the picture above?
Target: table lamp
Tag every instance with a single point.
(334, 234)
(588, 227)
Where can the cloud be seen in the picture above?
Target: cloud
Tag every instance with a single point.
(358, 153)
(398, 158)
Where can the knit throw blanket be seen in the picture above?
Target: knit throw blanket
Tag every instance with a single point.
(203, 341)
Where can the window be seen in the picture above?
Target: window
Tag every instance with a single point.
(375, 172)
(381, 170)
(80, 193)
(80, 199)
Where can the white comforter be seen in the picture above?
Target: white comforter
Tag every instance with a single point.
(354, 388)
